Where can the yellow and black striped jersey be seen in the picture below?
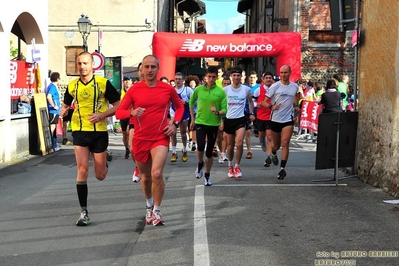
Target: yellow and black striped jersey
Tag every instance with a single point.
(91, 98)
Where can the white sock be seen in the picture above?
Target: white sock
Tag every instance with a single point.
(157, 208)
(150, 202)
(184, 149)
(174, 149)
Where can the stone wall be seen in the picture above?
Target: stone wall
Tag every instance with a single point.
(321, 63)
(378, 130)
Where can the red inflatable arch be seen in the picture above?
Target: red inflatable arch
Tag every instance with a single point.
(285, 46)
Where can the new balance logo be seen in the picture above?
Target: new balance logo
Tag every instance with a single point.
(190, 45)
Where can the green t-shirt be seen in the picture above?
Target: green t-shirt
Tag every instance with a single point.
(215, 96)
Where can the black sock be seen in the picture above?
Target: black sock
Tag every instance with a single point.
(283, 163)
(82, 189)
(274, 153)
(200, 165)
(207, 175)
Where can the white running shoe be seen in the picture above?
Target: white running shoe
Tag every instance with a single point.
(237, 172)
(198, 174)
(136, 175)
(207, 182)
(231, 172)
(157, 218)
(148, 215)
(221, 157)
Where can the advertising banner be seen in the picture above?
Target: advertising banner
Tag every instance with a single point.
(310, 115)
(22, 78)
(113, 71)
(284, 46)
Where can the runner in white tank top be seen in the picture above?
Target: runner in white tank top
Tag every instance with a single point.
(284, 102)
(236, 121)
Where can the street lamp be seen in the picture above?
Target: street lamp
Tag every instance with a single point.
(187, 25)
(84, 25)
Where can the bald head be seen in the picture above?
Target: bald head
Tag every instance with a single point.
(285, 73)
(85, 64)
(150, 68)
(153, 57)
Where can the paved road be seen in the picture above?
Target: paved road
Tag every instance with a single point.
(257, 220)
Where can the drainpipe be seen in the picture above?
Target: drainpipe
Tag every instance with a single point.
(155, 15)
(178, 14)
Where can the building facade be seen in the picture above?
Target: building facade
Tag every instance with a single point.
(377, 156)
(119, 28)
(23, 27)
(324, 52)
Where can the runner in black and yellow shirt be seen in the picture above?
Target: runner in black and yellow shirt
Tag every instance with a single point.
(89, 128)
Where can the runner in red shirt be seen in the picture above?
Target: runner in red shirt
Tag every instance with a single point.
(150, 106)
(263, 115)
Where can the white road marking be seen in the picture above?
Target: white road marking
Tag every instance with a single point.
(201, 249)
(280, 185)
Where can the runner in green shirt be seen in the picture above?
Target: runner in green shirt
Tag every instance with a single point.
(212, 103)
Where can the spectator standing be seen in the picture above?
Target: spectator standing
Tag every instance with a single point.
(331, 99)
(342, 87)
(53, 105)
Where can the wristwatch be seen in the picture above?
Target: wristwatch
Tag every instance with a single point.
(176, 123)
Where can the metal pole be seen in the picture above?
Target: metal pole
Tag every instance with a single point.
(337, 151)
(85, 48)
(355, 89)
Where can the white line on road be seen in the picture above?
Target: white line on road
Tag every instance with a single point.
(280, 185)
(201, 250)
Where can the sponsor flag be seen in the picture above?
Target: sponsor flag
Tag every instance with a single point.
(310, 115)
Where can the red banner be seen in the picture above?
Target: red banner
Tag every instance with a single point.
(21, 78)
(284, 46)
(310, 115)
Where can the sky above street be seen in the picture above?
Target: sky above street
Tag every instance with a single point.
(222, 16)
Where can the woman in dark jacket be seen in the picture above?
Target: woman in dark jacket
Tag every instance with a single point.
(331, 98)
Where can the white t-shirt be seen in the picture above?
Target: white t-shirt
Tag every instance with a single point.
(184, 93)
(236, 99)
(284, 95)
(310, 95)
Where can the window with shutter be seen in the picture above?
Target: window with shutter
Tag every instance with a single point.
(70, 64)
